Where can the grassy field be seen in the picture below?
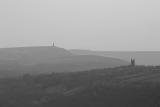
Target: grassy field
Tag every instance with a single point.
(123, 86)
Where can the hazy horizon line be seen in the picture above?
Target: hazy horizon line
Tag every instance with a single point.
(80, 49)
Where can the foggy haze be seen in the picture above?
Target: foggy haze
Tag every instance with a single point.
(85, 24)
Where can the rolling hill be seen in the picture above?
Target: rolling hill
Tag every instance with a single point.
(32, 55)
(142, 57)
(36, 60)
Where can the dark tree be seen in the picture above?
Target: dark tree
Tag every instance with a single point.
(132, 62)
(53, 43)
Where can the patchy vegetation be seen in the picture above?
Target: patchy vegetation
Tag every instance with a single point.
(124, 86)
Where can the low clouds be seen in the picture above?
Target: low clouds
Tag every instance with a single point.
(91, 24)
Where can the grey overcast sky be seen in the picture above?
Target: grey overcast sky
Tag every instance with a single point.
(83, 24)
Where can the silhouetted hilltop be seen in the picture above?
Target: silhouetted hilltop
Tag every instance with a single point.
(33, 55)
(142, 57)
(47, 59)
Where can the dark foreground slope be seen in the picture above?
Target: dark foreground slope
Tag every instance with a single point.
(45, 59)
(113, 87)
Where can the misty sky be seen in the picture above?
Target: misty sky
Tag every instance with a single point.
(83, 24)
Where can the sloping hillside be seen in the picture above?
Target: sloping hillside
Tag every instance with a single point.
(32, 55)
(142, 57)
(113, 87)
(36, 60)
(78, 63)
